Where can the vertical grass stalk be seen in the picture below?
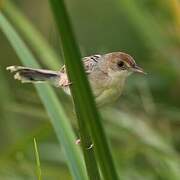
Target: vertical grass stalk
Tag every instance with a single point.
(86, 111)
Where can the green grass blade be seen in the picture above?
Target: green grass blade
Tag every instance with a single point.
(55, 110)
(38, 164)
(34, 38)
(87, 113)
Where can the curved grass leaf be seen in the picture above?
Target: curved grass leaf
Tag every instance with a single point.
(34, 38)
(55, 110)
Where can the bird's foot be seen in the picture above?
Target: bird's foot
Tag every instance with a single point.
(78, 141)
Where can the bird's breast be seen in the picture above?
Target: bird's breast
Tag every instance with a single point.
(107, 89)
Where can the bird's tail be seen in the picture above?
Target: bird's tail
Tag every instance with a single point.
(30, 75)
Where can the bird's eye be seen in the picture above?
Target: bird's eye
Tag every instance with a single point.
(120, 64)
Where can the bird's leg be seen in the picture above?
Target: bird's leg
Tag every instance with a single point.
(78, 141)
(90, 147)
(64, 82)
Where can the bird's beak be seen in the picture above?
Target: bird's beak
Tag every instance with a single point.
(138, 69)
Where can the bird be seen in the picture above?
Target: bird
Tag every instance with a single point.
(107, 74)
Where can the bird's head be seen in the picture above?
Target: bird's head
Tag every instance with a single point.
(120, 64)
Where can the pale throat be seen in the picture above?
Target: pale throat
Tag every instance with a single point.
(113, 90)
(118, 78)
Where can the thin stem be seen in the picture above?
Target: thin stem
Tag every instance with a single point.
(38, 164)
(87, 114)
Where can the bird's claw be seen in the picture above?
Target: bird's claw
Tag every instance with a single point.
(78, 141)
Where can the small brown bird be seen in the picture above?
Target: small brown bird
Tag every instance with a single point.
(106, 73)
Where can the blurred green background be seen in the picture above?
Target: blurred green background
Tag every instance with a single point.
(143, 126)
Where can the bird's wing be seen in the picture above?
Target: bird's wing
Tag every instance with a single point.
(89, 63)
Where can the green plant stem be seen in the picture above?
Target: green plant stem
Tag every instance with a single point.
(86, 111)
